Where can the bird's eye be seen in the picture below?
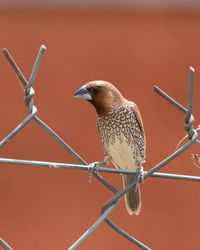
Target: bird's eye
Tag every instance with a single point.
(96, 89)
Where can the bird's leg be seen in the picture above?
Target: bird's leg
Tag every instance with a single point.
(139, 175)
(94, 166)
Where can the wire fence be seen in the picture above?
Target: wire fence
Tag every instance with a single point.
(83, 165)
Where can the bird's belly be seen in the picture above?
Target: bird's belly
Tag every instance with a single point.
(123, 156)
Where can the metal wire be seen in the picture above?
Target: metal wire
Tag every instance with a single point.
(4, 244)
(35, 118)
(112, 203)
(100, 169)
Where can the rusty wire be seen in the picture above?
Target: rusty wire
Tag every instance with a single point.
(112, 203)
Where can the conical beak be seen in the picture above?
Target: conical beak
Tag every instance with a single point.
(83, 93)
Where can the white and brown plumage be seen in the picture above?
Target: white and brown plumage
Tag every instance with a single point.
(122, 133)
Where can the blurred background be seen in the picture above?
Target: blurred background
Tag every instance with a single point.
(134, 45)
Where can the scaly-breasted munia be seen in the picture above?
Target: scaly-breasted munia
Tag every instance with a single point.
(122, 133)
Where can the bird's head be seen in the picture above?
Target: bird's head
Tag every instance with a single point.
(103, 95)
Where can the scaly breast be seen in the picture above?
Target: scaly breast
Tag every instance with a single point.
(122, 137)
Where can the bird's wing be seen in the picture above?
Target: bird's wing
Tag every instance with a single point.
(139, 119)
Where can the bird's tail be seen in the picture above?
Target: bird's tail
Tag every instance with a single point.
(132, 197)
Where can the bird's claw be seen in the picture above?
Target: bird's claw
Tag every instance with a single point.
(139, 176)
(93, 168)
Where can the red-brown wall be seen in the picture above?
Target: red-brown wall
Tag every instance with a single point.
(46, 208)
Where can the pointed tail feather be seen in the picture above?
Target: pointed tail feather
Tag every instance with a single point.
(132, 197)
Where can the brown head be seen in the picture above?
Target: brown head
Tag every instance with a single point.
(103, 95)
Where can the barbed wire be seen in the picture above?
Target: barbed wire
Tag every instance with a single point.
(112, 203)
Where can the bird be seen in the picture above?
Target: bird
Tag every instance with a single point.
(121, 130)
